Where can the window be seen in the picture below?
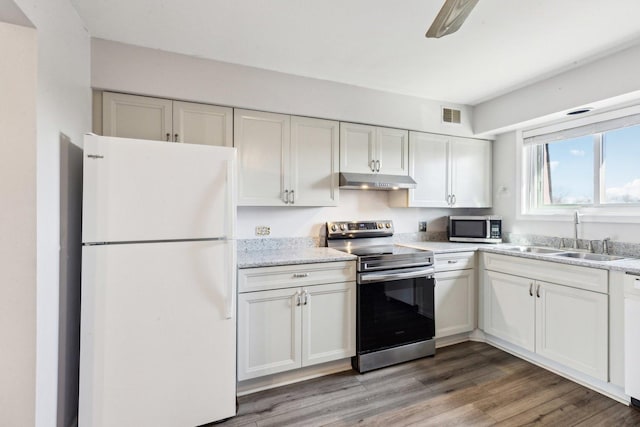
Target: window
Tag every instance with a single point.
(595, 165)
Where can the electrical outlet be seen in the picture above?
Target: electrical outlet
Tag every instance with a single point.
(263, 230)
(422, 226)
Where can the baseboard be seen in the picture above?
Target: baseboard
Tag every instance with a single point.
(294, 376)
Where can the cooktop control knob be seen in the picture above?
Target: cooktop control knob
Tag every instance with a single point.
(334, 227)
(388, 225)
(380, 225)
(343, 227)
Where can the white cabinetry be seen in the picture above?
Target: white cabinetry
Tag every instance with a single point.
(372, 149)
(286, 160)
(454, 293)
(142, 117)
(449, 172)
(294, 316)
(565, 321)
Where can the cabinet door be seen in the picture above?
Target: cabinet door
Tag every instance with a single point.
(572, 328)
(509, 309)
(454, 302)
(328, 322)
(357, 146)
(392, 151)
(262, 140)
(268, 332)
(471, 172)
(202, 124)
(314, 162)
(429, 168)
(139, 117)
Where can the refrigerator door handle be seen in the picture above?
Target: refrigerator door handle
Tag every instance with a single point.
(231, 297)
(230, 232)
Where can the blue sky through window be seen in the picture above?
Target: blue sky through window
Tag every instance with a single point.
(571, 170)
(621, 149)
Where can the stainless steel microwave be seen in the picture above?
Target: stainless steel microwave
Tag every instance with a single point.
(481, 229)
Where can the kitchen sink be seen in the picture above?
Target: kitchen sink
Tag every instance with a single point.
(589, 256)
(534, 249)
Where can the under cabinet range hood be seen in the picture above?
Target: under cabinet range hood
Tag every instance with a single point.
(375, 181)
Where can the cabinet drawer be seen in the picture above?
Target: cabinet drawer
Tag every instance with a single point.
(454, 261)
(287, 276)
(591, 279)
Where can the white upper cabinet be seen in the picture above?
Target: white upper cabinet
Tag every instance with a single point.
(262, 140)
(449, 172)
(314, 155)
(142, 117)
(372, 149)
(139, 117)
(470, 161)
(286, 160)
(202, 124)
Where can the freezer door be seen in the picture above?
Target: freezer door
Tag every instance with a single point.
(138, 190)
(158, 334)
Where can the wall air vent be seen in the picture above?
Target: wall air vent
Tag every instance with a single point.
(449, 115)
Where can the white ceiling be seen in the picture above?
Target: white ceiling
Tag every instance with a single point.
(379, 44)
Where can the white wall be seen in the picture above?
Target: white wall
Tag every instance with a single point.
(615, 77)
(506, 175)
(126, 68)
(63, 109)
(17, 225)
(354, 205)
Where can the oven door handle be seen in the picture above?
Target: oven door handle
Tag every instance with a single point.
(387, 276)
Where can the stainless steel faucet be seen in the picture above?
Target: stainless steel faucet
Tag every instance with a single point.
(605, 245)
(576, 221)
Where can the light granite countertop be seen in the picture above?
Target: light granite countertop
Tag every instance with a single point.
(309, 255)
(290, 256)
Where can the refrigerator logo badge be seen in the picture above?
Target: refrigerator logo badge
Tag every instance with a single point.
(95, 156)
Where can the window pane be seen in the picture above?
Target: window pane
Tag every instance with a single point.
(621, 152)
(567, 172)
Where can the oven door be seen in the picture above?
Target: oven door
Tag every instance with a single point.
(394, 307)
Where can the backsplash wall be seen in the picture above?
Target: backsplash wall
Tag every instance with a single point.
(353, 205)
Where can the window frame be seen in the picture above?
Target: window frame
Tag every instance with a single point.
(528, 174)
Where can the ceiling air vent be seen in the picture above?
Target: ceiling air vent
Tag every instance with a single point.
(449, 115)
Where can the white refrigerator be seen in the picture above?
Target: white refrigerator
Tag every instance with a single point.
(158, 329)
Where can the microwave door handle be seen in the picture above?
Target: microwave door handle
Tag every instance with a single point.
(488, 230)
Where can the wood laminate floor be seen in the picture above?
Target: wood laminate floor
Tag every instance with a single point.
(468, 384)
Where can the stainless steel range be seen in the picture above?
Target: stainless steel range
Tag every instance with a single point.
(395, 301)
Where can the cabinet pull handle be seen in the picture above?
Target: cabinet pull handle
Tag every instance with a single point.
(453, 199)
(298, 299)
(377, 165)
(168, 137)
(538, 291)
(176, 138)
(299, 275)
(449, 199)
(306, 297)
(531, 289)
(372, 165)
(452, 261)
(293, 199)
(285, 198)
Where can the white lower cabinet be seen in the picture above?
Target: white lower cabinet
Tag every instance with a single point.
(561, 322)
(295, 326)
(455, 300)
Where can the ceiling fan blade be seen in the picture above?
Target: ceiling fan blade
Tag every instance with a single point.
(450, 17)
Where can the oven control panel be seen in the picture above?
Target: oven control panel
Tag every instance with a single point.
(342, 229)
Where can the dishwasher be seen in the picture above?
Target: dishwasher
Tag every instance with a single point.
(632, 337)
